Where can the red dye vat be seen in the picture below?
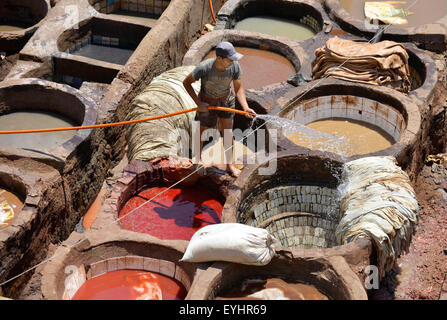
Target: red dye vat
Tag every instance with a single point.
(131, 285)
(176, 214)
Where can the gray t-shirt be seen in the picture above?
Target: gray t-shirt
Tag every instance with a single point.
(215, 83)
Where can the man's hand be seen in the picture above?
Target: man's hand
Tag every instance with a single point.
(250, 113)
(203, 106)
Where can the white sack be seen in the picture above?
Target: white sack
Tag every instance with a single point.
(231, 242)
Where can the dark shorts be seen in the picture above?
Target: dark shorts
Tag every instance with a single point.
(209, 119)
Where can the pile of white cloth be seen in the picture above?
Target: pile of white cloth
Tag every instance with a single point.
(378, 203)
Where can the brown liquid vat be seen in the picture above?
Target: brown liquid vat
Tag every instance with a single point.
(26, 15)
(261, 67)
(385, 108)
(285, 48)
(331, 275)
(430, 36)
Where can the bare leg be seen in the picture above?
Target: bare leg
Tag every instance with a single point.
(226, 125)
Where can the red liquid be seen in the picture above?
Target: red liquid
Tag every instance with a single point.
(174, 215)
(131, 285)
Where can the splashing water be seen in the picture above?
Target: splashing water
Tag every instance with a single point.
(305, 136)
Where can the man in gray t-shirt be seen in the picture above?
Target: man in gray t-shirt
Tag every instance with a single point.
(217, 75)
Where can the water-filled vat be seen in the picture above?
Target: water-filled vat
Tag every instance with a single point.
(24, 120)
(261, 67)
(425, 26)
(18, 21)
(419, 12)
(145, 12)
(272, 288)
(351, 119)
(277, 27)
(296, 20)
(356, 137)
(35, 103)
(10, 27)
(105, 40)
(295, 277)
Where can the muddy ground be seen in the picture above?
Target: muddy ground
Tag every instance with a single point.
(421, 273)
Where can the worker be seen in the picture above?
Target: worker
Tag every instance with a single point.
(220, 83)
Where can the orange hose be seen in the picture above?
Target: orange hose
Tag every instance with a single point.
(120, 123)
(212, 11)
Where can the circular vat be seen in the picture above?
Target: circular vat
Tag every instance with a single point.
(278, 67)
(12, 198)
(145, 204)
(108, 41)
(267, 60)
(423, 23)
(144, 12)
(298, 204)
(418, 13)
(297, 20)
(423, 73)
(297, 278)
(349, 119)
(118, 268)
(18, 21)
(39, 104)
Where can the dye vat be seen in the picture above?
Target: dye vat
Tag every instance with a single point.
(298, 204)
(146, 12)
(19, 15)
(176, 213)
(104, 40)
(35, 120)
(109, 54)
(419, 12)
(272, 289)
(112, 267)
(350, 119)
(275, 67)
(360, 137)
(6, 27)
(18, 21)
(277, 26)
(131, 285)
(10, 207)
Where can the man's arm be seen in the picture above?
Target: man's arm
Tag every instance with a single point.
(187, 84)
(240, 95)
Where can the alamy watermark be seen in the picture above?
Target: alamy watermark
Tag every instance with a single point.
(372, 280)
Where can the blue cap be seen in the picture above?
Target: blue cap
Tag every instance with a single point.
(225, 49)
